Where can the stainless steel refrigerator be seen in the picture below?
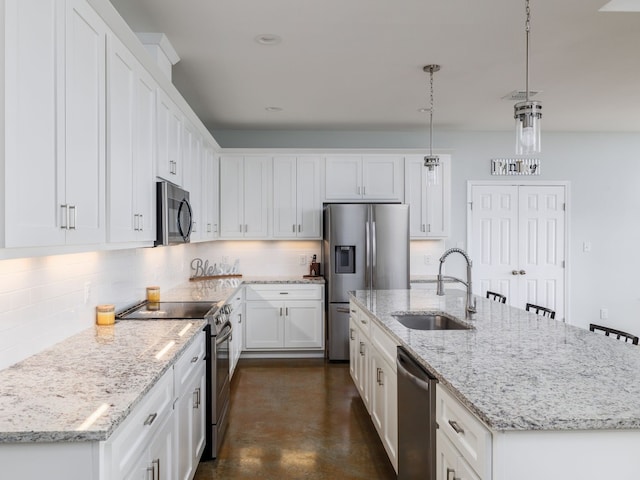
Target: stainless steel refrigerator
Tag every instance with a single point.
(365, 246)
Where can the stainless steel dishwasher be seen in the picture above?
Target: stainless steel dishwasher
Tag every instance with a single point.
(416, 420)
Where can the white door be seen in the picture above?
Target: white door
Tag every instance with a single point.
(285, 222)
(309, 203)
(518, 243)
(383, 178)
(231, 197)
(256, 197)
(85, 124)
(303, 324)
(343, 178)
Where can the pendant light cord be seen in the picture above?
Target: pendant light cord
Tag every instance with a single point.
(527, 28)
(431, 115)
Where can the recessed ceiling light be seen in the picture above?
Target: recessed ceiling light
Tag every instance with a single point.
(268, 39)
(273, 109)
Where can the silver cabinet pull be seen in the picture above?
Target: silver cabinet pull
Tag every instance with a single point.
(362, 349)
(451, 474)
(240, 228)
(239, 318)
(194, 359)
(194, 226)
(150, 419)
(65, 217)
(156, 469)
(215, 228)
(293, 228)
(364, 190)
(456, 427)
(379, 376)
(135, 222)
(514, 272)
(428, 228)
(344, 310)
(74, 217)
(299, 228)
(141, 222)
(522, 272)
(286, 311)
(351, 332)
(208, 228)
(196, 398)
(280, 311)
(358, 190)
(284, 293)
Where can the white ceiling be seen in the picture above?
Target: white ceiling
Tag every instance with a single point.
(357, 64)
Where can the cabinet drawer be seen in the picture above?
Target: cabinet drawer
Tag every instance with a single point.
(189, 361)
(468, 434)
(137, 431)
(360, 319)
(284, 292)
(386, 345)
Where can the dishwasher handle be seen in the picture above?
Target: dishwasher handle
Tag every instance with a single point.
(403, 362)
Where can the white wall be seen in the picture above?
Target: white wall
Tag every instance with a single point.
(604, 171)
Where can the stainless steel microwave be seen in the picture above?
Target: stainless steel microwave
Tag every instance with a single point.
(174, 214)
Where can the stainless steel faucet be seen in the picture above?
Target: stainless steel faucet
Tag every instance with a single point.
(471, 302)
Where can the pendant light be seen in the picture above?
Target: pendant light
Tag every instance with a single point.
(527, 113)
(431, 161)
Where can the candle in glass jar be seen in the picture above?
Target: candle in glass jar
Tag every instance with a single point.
(153, 294)
(105, 315)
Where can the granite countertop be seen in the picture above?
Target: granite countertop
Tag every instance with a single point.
(516, 370)
(215, 290)
(48, 396)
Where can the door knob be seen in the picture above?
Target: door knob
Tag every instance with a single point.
(522, 272)
(514, 272)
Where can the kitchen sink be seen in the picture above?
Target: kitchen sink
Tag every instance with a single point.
(430, 321)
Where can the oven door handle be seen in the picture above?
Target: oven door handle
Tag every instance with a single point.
(220, 339)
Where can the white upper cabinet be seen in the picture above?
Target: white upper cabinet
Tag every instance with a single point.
(210, 191)
(297, 203)
(169, 134)
(366, 178)
(83, 205)
(130, 146)
(192, 169)
(244, 196)
(429, 201)
(55, 122)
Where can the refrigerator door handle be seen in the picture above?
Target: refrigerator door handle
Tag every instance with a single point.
(367, 271)
(374, 255)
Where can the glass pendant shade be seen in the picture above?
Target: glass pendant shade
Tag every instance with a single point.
(528, 118)
(432, 162)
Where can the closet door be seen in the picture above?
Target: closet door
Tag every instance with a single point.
(518, 243)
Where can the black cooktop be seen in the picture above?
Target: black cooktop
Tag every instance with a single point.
(168, 311)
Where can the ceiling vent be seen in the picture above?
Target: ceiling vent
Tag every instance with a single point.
(519, 95)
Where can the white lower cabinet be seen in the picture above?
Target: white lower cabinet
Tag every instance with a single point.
(289, 317)
(190, 410)
(467, 448)
(373, 369)
(236, 318)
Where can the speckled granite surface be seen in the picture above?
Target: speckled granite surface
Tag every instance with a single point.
(222, 289)
(517, 370)
(48, 396)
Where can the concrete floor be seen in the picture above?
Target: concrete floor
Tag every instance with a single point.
(297, 419)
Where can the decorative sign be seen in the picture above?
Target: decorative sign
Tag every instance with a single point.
(202, 269)
(515, 166)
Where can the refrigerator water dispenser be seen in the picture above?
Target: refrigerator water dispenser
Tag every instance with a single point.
(345, 259)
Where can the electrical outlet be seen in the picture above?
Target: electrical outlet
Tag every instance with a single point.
(302, 259)
(604, 313)
(87, 292)
(428, 259)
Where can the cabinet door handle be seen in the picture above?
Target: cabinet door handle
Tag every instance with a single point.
(344, 310)
(141, 222)
(156, 469)
(351, 332)
(245, 228)
(65, 217)
(364, 190)
(458, 429)
(522, 272)
(428, 228)
(73, 217)
(286, 311)
(194, 359)
(240, 228)
(280, 311)
(208, 228)
(196, 398)
(239, 318)
(150, 419)
(293, 228)
(379, 376)
(215, 228)
(362, 349)
(451, 474)
(514, 272)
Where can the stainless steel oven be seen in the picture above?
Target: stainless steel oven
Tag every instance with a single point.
(218, 351)
(218, 330)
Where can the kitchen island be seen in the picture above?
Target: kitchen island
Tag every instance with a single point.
(559, 401)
